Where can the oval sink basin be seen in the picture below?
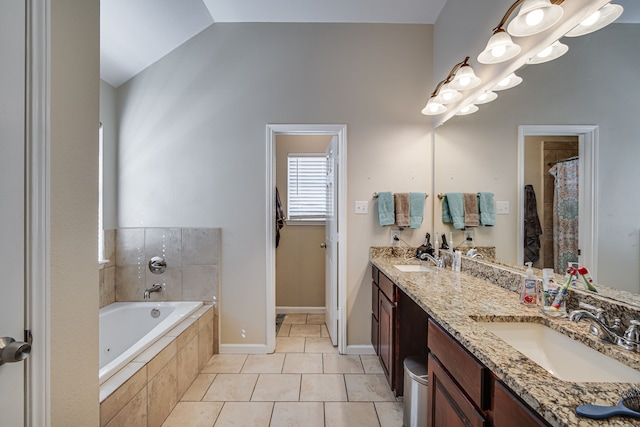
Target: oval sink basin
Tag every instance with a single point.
(415, 268)
(563, 357)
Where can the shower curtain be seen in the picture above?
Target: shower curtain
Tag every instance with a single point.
(565, 213)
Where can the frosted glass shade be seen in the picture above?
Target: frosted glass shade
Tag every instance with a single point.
(465, 79)
(499, 48)
(556, 50)
(599, 19)
(433, 107)
(534, 17)
(508, 82)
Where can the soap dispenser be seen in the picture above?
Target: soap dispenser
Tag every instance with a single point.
(528, 293)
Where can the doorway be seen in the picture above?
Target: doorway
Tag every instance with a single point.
(587, 145)
(338, 133)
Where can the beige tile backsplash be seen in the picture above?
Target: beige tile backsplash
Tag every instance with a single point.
(193, 264)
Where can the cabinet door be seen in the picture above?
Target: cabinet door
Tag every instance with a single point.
(507, 410)
(448, 406)
(386, 319)
(375, 334)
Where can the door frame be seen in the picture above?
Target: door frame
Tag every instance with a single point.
(340, 131)
(588, 142)
(37, 171)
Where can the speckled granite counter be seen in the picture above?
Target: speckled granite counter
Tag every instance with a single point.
(456, 300)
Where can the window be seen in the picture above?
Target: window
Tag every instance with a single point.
(307, 177)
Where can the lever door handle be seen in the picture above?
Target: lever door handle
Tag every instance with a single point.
(13, 351)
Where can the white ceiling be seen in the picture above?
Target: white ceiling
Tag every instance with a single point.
(136, 33)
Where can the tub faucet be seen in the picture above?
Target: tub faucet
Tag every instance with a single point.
(157, 287)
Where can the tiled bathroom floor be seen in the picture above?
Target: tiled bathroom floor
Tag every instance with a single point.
(304, 383)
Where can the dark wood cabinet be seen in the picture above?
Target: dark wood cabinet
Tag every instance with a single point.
(448, 405)
(463, 392)
(386, 340)
(507, 409)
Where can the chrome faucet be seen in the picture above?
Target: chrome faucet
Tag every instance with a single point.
(438, 262)
(599, 325)
(157, 287)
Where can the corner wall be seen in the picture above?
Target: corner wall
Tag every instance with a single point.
(73, 299)
(192, 142)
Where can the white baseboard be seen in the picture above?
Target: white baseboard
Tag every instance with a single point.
(243, 349)
(360, 349)
(300, 310)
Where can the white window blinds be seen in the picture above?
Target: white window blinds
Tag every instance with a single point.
(307, 177)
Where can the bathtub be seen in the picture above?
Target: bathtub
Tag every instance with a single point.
(128, 328)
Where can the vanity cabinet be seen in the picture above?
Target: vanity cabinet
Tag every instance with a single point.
(463, 392)
(398, 328)
(383, 321)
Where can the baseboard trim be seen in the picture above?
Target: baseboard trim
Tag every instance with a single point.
(300, 310)
(360, 349)
(243, 349)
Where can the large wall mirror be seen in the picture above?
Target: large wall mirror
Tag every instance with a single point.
(594, 84)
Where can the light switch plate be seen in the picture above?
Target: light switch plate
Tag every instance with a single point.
(362, 207)
(502, 207)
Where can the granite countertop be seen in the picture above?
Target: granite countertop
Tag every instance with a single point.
(456, 300)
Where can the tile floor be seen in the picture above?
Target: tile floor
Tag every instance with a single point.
(304, 383)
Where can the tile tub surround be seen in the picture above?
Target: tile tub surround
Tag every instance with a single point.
(108, 270)
(146, 390)
(452, 298)
(193, 263)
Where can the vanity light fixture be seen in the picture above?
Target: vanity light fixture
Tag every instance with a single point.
(486, 97)
(508, 82)
(556, 50)
(461, 77)
(464, 77)
(469, 109)
(448, 95)
(433, 107)
(499, 48)
(533, 17)
(599, 19)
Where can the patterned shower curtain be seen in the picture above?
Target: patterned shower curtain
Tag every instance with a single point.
(565, 213)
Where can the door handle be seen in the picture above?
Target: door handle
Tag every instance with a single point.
(13, 351)
(323, 245)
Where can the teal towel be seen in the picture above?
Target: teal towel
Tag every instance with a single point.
(416, 209)
(453, 210)
(487, 209)
(386, 212)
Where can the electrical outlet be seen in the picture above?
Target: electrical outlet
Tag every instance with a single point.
(395, 236)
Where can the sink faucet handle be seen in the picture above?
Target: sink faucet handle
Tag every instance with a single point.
(589, 306)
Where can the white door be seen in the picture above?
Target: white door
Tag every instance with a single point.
(12, 147)
(332, 242)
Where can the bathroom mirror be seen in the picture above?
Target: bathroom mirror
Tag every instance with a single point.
(595, 83)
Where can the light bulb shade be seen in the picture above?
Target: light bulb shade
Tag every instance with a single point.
(508, 82)
(469, 109)
(556, 50)
(465, 79)
(499, 48)
(534, 17)
(448, 95)
(599, 19)
(486, 97)
(433, 107)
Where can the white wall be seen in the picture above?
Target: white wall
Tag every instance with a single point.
(74, 118)
(574, 89)
(109, 120)
(193, 146)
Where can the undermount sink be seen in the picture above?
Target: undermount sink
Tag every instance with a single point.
(563, 357)
(414, 268)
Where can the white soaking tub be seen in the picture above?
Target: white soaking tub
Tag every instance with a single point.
(129, 328)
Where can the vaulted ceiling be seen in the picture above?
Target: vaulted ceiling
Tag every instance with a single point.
(136, 33)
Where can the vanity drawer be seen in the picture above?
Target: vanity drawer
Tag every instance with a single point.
(461, 365)
(387, 287)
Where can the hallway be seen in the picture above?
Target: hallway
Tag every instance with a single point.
(304, 383)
